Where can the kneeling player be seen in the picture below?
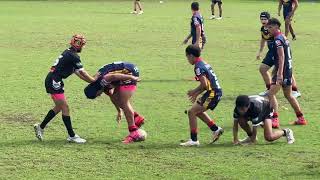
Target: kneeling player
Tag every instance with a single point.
(119, 80)
(209, 100)
(257, 110)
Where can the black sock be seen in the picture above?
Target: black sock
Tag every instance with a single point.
(194, 136)
(51, 114)
(249, 134)
(214, 127)
(284, 132)
(67, 123)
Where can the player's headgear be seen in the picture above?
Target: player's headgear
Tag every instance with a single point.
(264, 14)
(274, 21)
(78, 41)
(242, 101)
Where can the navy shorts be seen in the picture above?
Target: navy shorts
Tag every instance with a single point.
(203, 41)
(269, 59)
(287, 78)
(210, 99)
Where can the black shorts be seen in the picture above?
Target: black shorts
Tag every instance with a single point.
(216, 1)
(210, 99)
(286, 14)
(54, 85)
(265, 114)
(269, 59)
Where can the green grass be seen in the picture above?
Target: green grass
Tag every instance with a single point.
(32, 35)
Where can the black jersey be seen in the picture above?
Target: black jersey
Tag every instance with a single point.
(66, 64)
(259, 110)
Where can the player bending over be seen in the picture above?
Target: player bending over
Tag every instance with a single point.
(268, 61)
(66, 64)
(118, 80)
(257, 110)
(210, 98)
(197, 27)
(283, 76)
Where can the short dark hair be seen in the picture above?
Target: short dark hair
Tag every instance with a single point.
(92, 89)
(264, 14)
(193, 50)
(274, 21)
(195, 6)
(242, 101)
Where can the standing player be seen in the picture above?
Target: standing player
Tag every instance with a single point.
(66, 64)
(257, 110)
(268, 61)
(283, 74)
(214, 2)
(137, 5)
(209, 100)
(119, 80)
(197, 27)
(289, 8)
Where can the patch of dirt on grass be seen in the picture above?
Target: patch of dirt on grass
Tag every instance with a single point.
(17, 118)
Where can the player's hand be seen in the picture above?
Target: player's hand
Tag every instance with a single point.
(136, 78)
(258, 57)
(190, 92)
(104, 82)
(193, 98)
(185, 41)
(119, 116)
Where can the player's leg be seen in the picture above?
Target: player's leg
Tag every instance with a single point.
(295, 92)
(220, 9)
(212, 9)
(134, 7)
(287, 24)
(287, 91)
(271, 135)
(274, 103)
(264, 71)
(292, 32)
(139, 6)
(192, 115)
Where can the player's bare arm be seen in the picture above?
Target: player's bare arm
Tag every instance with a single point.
(279, 7)
(198, 31)
(84, 75)
(262, 44)
(280, 52)
(120, 77)
(235, 130)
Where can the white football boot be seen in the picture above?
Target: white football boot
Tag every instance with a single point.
(133, 12)
(212, 17)
(141, 12)
(289, 136)
(216, 134)
(190, 143)
(76, 139)
(219, 18)
(39, 131)
(296, 94)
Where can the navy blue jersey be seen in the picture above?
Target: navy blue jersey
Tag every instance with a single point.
(196, 20)
(280, 41)
(119, 67)
(267, 36)
(66, 64)
(259, 110)
(201, 68)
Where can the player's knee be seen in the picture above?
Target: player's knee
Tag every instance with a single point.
(268, 137)
(191, 112)
(263, 70)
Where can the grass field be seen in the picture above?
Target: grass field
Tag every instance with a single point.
(32, 35)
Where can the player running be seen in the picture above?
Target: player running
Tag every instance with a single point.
(257, 110)
(119, 81)
(283, 74)
(268, 61)
(209, 100)
(214, 2)
(197, 27)
(66, 64)
(289, 8)
(137, 5)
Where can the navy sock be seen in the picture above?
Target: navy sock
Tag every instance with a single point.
(50, 115)
(67, 123)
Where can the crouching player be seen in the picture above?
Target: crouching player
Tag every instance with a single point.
(209, 100)
(66, 64)
(257, 110)
(118, 80)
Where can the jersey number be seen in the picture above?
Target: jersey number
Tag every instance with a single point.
(57, 60)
